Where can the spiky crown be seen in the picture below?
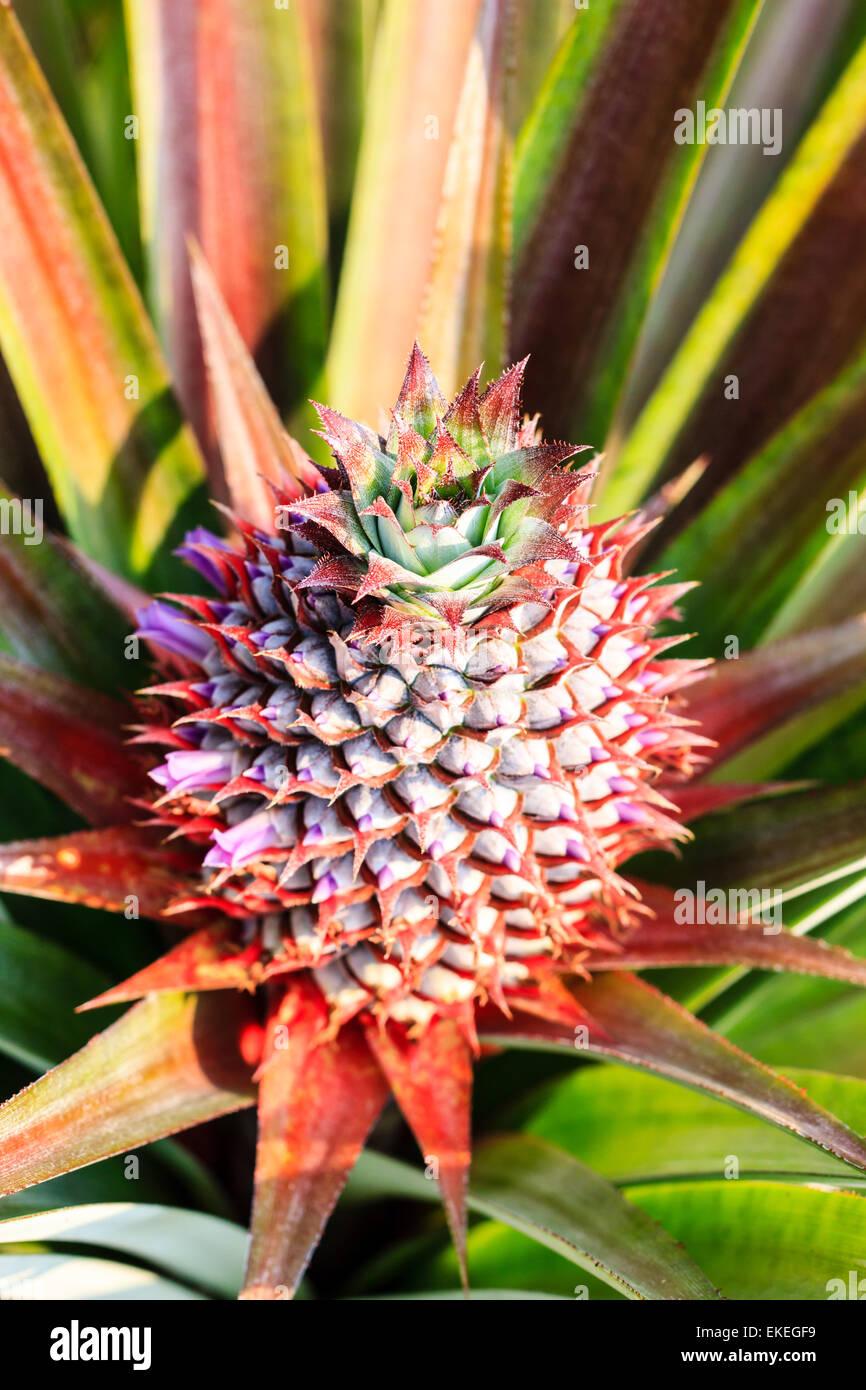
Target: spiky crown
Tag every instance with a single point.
(422, 824)
(453, 514)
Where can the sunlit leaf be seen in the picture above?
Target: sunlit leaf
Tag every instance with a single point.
(756, 1240)
(76, 339)
(674, 1133)
(229, 152)
(117, 868)
(61, 1278)
(466, 300)
(634, 1023)
(408, 120)
(786, 212)
(317, 1102)
(169, 1063)
(193, 1248)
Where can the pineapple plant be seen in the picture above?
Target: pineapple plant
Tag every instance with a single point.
(389, 764)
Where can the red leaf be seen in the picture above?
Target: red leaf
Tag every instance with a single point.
(738, 701)
(100, 868)
(169, 1063)
(230, 153)
(420, 400)
(70, 739)
(335, 513)
(499, 408)
(662, 941)
(75, 334)
(208, 959)
(253, 443)
(634, 1023)
(702, 798)
(431, 1078)
(317, 1102)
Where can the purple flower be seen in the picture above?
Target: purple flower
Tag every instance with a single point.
(189, 769)
(201, 536)
(168, 628)
(244, 842)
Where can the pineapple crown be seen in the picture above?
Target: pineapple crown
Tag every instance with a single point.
(452, 515)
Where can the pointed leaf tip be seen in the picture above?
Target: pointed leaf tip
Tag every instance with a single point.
(318, 1099)
(431, 1078)
(254, 446)
(171, 1062)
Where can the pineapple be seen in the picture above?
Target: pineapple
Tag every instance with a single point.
(427, 716)
(381, 782)
(422, 733)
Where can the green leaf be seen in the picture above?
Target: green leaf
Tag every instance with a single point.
(809, 854)
(756, 542)
(572, 197)
(342, 33)
(166, 1173)
(76, 339)
(547, 1194)
(791, 1020)
(53, 615)
(628, 1020)
(540, 27)
(544, 1192)
(787, 844)
(230, 153)
(474, 1295)
(792, 60)
(635, 1128)
(801, 682)
(832, 585)
(598, 411)
(543, 139)
(764, 1240)
(784, 214)
(191, 1247)
(42, 985)
(756, 1240)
